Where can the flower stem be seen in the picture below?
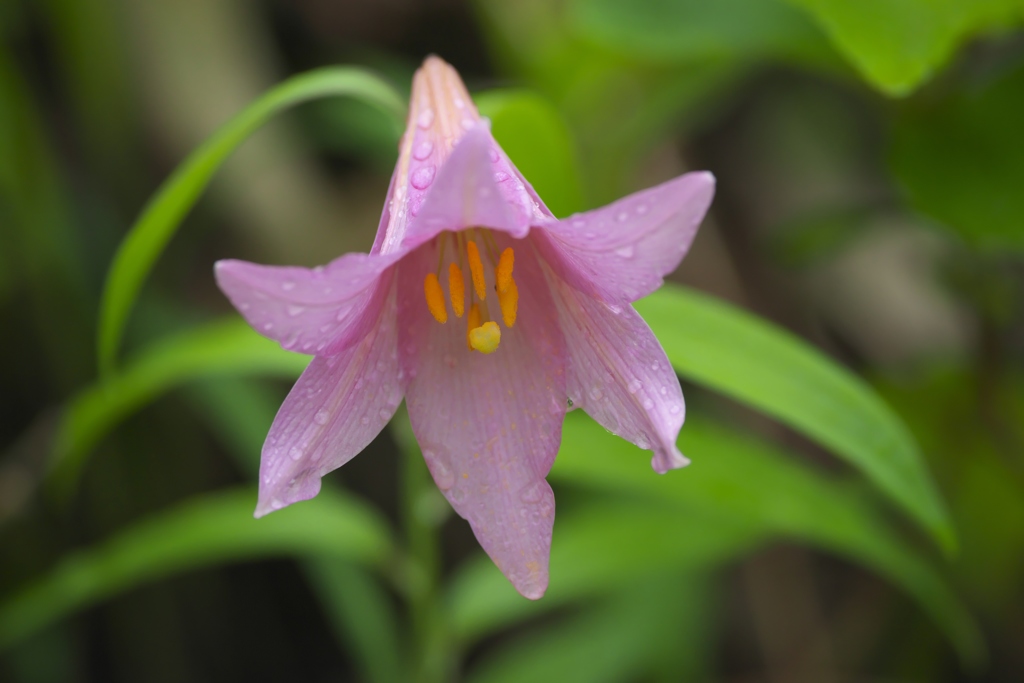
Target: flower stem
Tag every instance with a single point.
(423, 510)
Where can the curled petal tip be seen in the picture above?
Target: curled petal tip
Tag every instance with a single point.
(666, 459)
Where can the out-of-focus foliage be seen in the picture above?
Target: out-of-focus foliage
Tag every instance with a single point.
(868, 157)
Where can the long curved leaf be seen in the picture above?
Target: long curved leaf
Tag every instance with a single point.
(208, 530)
(161, 216)
(746, 482)
(226, 347)
(726, 349)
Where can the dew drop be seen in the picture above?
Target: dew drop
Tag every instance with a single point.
(648, 403)
(579, 223)
(443, 475)
(623, 216)
(364, 420)
(641, 209)
(625, 251)
(358, 384)
(321, 417)
(654, 365)
(635, 386)
(425, 119)
(467, 124)
(459, 103)
(492, 154)
(423, 150)
(500, 177)
(295, 452)
(664, 391)
(532, 493)
(324, 328)
(267, 327)
(384, 414)
(674, 409)
(595, 394)
(294, 310)
(422, 177)
(287, 285)
(590, 235)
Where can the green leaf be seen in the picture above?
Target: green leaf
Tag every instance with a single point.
(222, 348)
(620, 638)
(726, 349)
(164, 212)
(961, 161)
(536, 138)
(898, 44)
(205, 531)
(596, 548)
(697, 31)
(747, 483)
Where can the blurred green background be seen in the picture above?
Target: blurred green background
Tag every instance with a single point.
(855, 510)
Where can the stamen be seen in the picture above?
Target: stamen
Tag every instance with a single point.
(456, 289)
(504, 270)
(472, 323)
(485, 338)
(509, 301)
(435, 298)
(476, 269)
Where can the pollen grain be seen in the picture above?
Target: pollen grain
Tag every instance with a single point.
(476, 269)
(457, 289)
(503, 273)
(435, 298)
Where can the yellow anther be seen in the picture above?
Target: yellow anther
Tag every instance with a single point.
(456, 289)
(503, 272)
(485, 338)
(509, 300)
(476, 269)
(435, 298)
(472, 323)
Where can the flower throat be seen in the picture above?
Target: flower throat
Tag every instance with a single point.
(482, 333)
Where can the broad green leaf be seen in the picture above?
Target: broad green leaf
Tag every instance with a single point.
(160, 218)
(208, 530)
(622, 637)
(961, 161)
(595, 548)
(898, 44)
(745, 482)
(240, 412)
(536, 138)
(697, 31)
(221, 348)
(726, 349)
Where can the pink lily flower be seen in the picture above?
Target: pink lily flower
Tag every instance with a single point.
(537, 317)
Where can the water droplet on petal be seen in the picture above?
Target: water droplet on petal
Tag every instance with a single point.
(321, 417)
(364, 420)
(295, 452)
(422, 177)
(641, 209)
(664, 391)
(267, 327)
(648, 403)
(500, 177)
(533, 493)
(384, 414)
(635, 386)
(579, 223)
(294, 310)
(442, 473)
(674, 409)
(425, 119)
(423, 150)
(287, 285)
(625, 251)
(595, 394)
(459, 103)
(623, 216)
(492, 155)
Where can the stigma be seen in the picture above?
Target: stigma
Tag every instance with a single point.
(473, 251)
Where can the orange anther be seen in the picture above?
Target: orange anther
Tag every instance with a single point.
(435, 298)
(456, 289)
(503, 272)
(476, 269)
(509, 300)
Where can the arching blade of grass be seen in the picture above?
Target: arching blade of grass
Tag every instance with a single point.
(731, 351)
(160, 218)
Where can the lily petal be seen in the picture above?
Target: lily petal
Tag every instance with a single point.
(620, 253)
(490, 425)
(317, 311)
(336, 408)
(465, 193)
(619, 374)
